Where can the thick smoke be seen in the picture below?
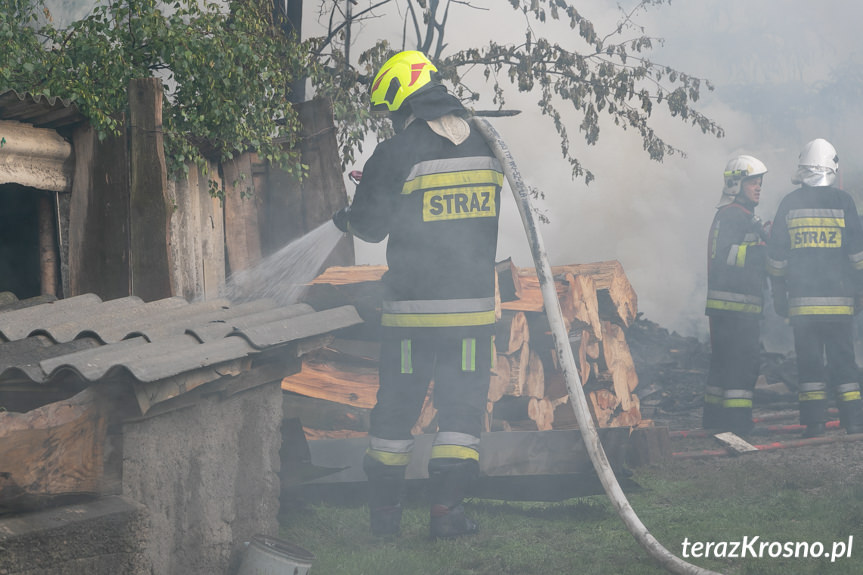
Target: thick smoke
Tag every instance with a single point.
(783, 73)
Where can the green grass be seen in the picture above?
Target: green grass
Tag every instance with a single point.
(708, 503)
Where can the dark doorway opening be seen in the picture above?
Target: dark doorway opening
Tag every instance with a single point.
(19, 240)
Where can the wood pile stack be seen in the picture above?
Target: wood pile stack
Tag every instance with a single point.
(335, 390)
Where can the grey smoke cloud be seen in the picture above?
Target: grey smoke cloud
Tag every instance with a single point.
(769, 61)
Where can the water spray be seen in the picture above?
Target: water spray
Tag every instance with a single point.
(567, 363)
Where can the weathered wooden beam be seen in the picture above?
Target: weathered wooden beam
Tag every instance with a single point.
(97, 245)
(242, 233)
(149, 223)
(53, 451)
(49, 256)
(35, 157)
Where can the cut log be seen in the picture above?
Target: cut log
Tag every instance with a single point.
(357, 388)
(511, 331)
(500, 378)
(427, 420)
(508, 281)
(519, 365)
(617, 300)
(52, 452)
(579, 304)
(630, 417)
(519, 409)
(618, 359)
(603, 403)
(324, 415)
(534, 383)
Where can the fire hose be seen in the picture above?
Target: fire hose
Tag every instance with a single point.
(567, 363)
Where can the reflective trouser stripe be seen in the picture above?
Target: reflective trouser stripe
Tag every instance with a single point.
(438, 319)
(454, 445)
(812, 391)
(468, 354)
(390, 451)
(730, 301)
(454, 452)
(406, 358)
(438, 313)
(820, 306)
(848, 391)
(737, 398)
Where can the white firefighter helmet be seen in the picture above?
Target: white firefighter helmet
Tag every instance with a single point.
(737, 170)
(817, 165)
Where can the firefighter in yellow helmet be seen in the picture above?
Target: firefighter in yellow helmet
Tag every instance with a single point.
(736, 278)
(815, 262)
(434, 191)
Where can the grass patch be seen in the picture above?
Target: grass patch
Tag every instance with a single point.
(685, 500)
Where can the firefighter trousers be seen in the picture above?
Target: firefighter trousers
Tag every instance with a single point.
(817, 340)
(735, 359)
(460, 367)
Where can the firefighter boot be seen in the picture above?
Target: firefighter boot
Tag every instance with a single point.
(813, 409)
(386, 485)
(737, 420)
(851, 416)
(450, 479)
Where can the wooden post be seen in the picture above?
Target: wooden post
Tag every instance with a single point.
(150, 270)
(48, 252)
(97, 240)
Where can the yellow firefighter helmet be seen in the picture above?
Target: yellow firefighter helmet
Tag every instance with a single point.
(401, 76)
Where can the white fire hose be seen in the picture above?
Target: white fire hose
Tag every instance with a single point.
(570, 372)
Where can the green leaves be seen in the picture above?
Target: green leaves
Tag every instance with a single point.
(226, 70)
(580, 78)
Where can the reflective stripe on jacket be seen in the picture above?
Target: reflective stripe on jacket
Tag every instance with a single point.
(735, 262)
(439, 203)
(816, 252)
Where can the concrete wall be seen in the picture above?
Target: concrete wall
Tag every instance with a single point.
(208, 476)
(102, 537)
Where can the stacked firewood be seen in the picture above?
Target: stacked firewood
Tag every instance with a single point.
(336, 387)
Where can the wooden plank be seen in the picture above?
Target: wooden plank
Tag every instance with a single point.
(357, 387)
(150, 216)
(49, 257)
(98, 217)
(649, 446)
(242, 234)
(197, 236)
(52, 451)
(735, 443)
(619, 361)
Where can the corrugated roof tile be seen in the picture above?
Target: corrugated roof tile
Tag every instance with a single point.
(149, 341)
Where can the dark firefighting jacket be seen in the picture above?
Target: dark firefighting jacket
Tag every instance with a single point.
(736, 255)
(816, 252)
(439, 204)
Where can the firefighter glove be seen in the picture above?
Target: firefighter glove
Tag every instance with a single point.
(340, 218)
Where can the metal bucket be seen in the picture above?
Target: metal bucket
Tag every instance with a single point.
(270, 556)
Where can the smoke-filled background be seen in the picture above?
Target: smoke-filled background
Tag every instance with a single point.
(785, 72)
